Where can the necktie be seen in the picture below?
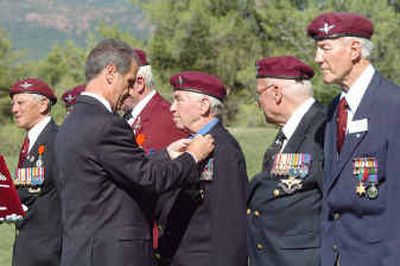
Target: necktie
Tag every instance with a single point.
(275, 148)
(24, 152)
(341, 123)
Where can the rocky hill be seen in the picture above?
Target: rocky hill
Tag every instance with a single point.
(35, 25)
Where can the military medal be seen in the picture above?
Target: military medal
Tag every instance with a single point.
(292, 168)
(366, 171)
(208, 171)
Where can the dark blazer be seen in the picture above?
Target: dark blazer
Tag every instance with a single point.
(157, 126)
(361, 230)
(284, 229)
(104, 178)
(38, 241)
(207, 223)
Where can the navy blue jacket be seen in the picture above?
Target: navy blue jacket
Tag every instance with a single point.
(360, 230)
(284, 229)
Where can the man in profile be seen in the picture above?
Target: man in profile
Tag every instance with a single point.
(103, 171)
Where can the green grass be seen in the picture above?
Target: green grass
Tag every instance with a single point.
(253, 141)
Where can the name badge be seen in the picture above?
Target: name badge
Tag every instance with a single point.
(358, 126)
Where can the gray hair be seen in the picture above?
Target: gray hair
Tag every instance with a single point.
(145, 71)
(366, 46)
(216, 106)
(39, 97)
(109, 51)
(297, 88)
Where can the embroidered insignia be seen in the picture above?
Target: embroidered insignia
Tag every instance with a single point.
(69, 98)
(326, 28)
(26, 85)
(180, 80)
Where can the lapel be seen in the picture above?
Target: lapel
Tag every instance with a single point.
(33, 153)
(352, 141)
(300, 133)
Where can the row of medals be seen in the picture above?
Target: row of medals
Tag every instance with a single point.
(292, 166)
(366, 171)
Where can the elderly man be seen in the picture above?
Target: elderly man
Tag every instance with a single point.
(360, 215)
(104, 174)
(207, 221)
(147, 112)
(285, 199)
(38, 241)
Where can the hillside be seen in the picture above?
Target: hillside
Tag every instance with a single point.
(35, 25)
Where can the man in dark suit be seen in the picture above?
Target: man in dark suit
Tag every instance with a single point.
(38, 241)
(104, 173)
(148, 112)
(206, 224)
(360, 214)
(285, 199)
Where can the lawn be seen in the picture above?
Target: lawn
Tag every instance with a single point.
(253, 141)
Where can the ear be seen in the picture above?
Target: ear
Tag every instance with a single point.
(140, 84)
(110, 72)
(44, 106)
(277, 94)
(205, 106)
(355, 47)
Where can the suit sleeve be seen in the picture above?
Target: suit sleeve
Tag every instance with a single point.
(229, 213)
(128, 165)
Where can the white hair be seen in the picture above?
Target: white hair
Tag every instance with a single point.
(216, 106)
(39, 97)
(301, 88)
(145, 71)
(366, 46)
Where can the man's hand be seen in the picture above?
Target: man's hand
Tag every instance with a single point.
(178, 147)
(201, 147)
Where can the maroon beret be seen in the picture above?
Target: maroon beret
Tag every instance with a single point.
(339, 24)
(199, 82)
(33, 86)
(142, 57)
(286, 67)
(69, 97)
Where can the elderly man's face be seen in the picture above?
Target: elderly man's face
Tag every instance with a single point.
(186, 110)
(27, 110)
(266, 90)
(335, 60)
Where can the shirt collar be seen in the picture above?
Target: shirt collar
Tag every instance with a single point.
(103, 101)
(141, 105)
(357, 90)
(290, 127)
(35, 131)
(207, 127)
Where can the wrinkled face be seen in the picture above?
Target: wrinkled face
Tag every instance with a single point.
(186, 110)
(334, 59)
(267, 99)
(122, 83)
(27, 110)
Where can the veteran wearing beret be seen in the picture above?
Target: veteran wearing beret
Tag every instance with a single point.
(104, 173)
(38, 241)
(360, 214)
(284, 205)
(206, 224)
(69, 97)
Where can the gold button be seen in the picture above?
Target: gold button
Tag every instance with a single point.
(336, 216)
(259, 246)
(276, 192)
(248, 211)
(257, 213)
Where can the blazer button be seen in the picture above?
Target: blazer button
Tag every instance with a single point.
(256, 213)
(259, 246)
(248, 211)
(336, 216)
(334, 248)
